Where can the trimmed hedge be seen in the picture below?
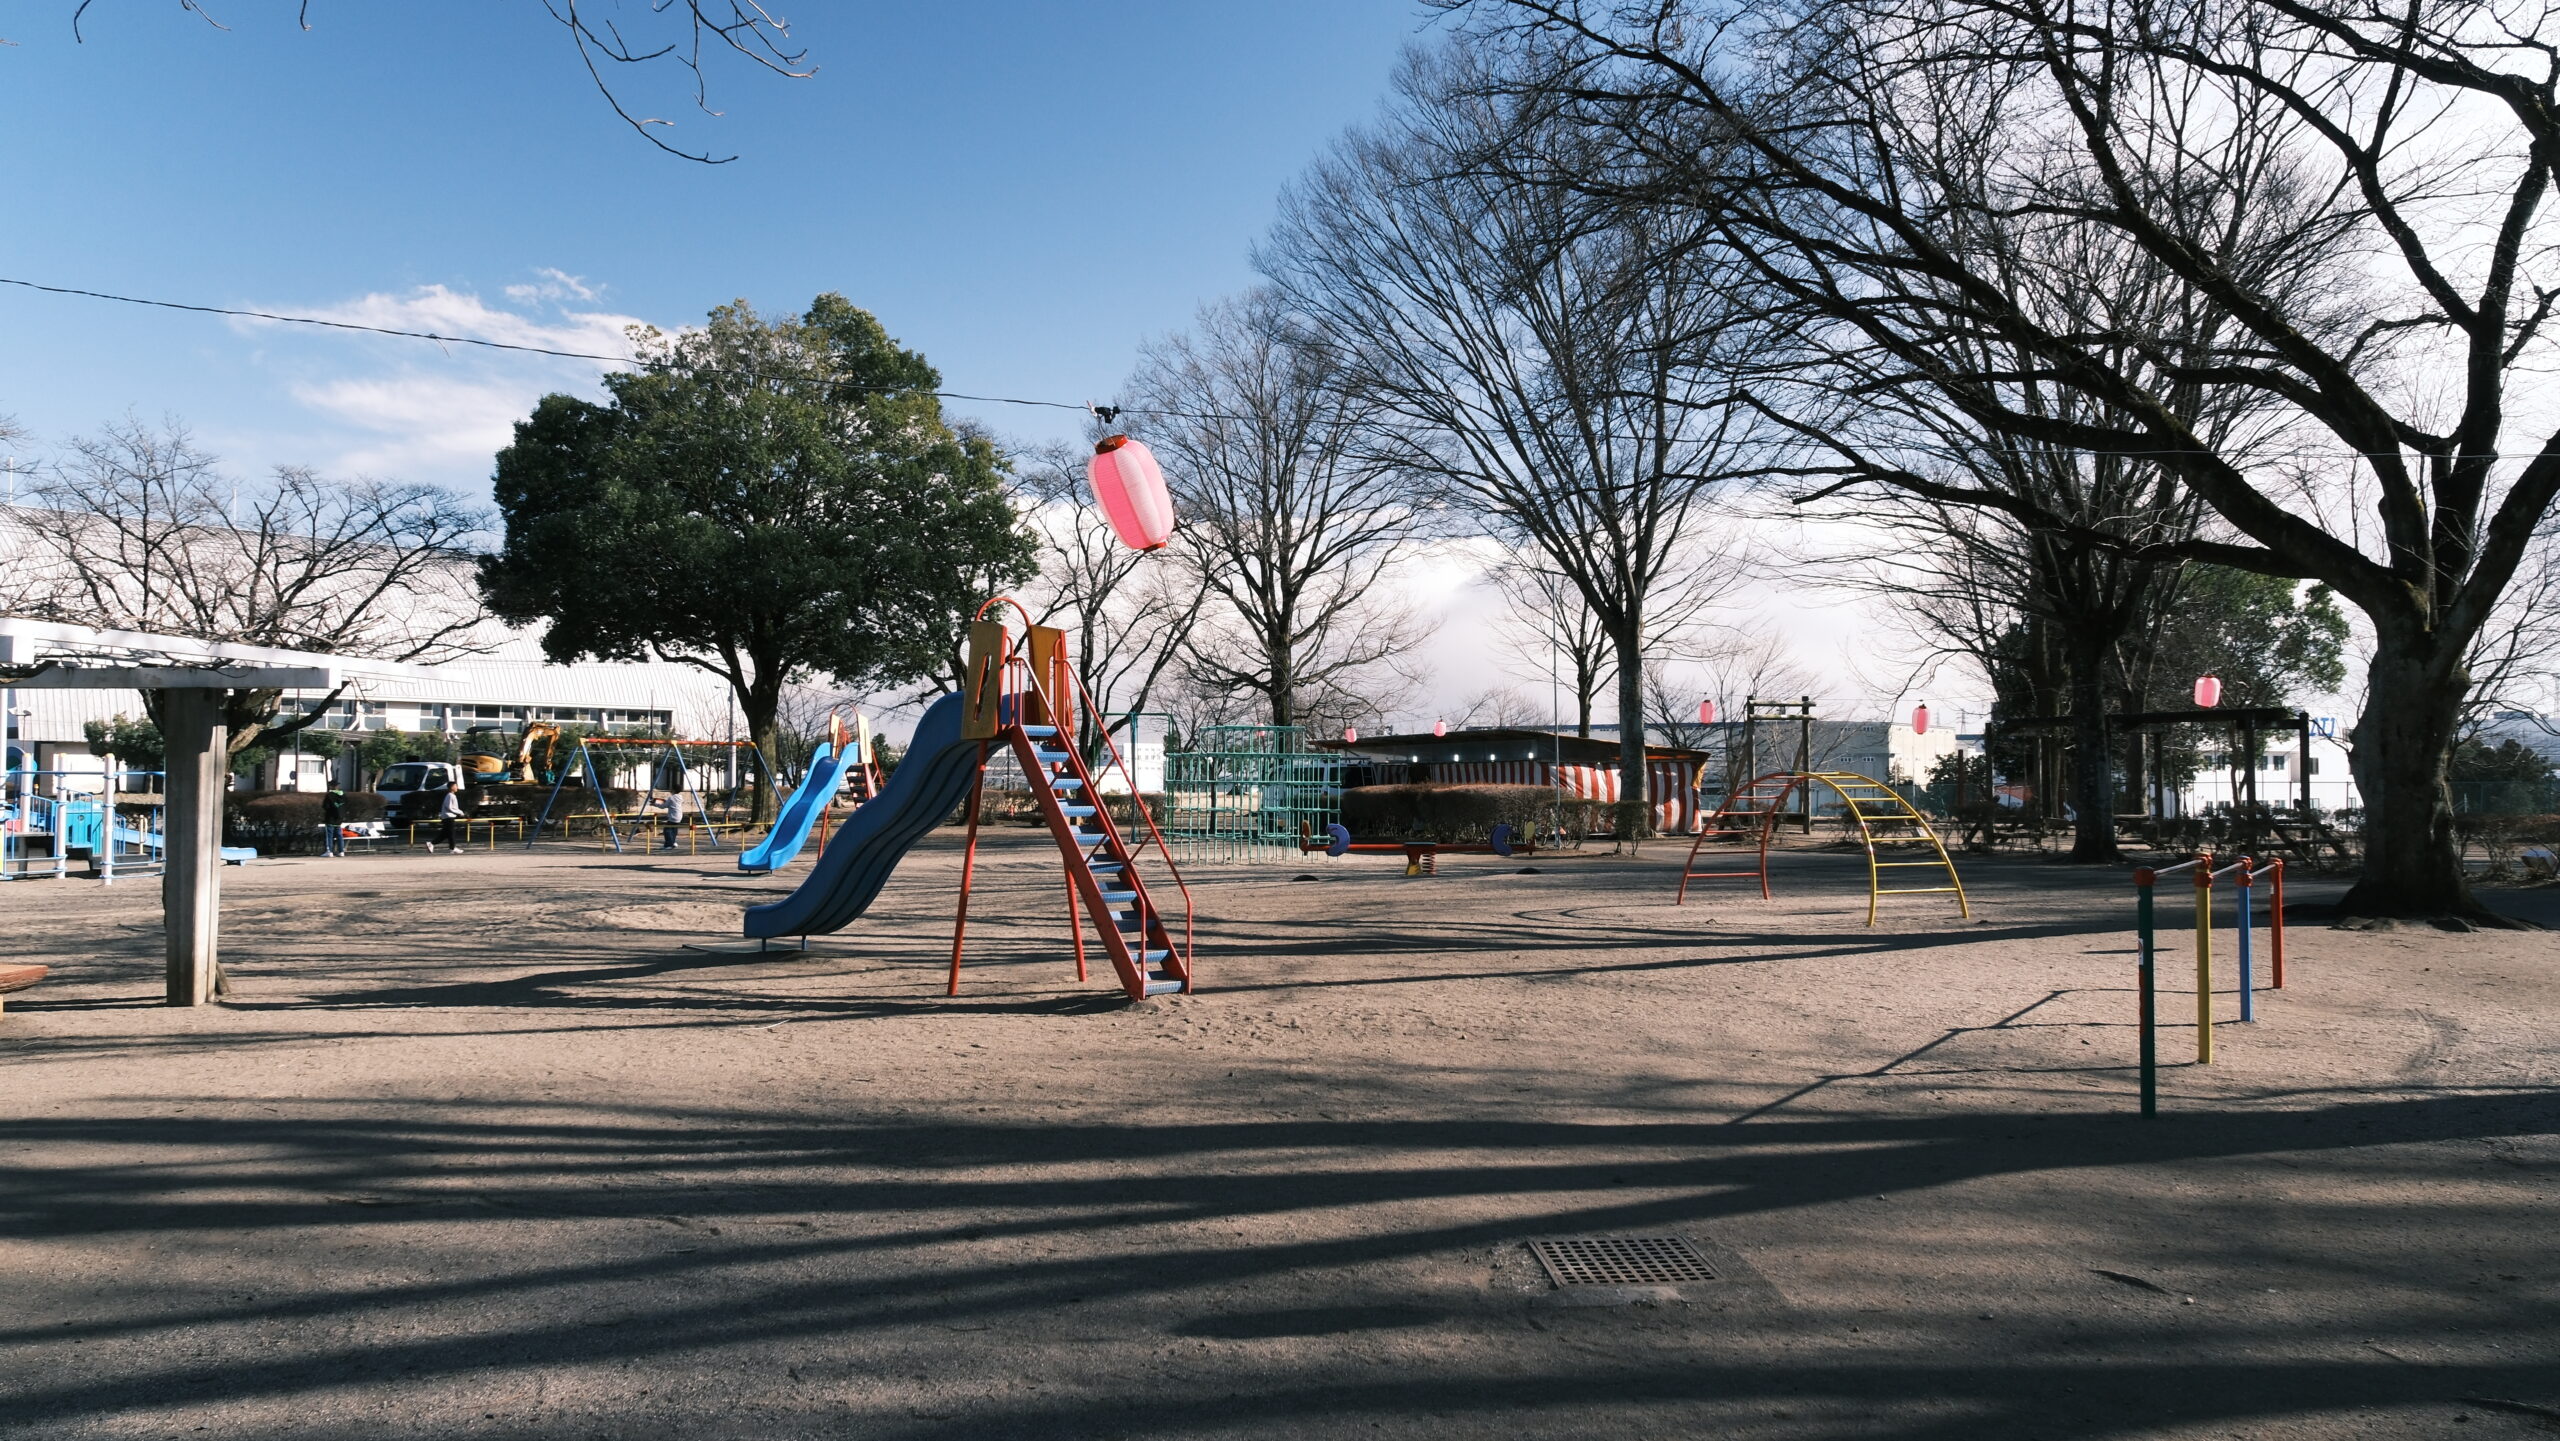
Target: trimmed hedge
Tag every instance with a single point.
(1463, 815)
(294, 808)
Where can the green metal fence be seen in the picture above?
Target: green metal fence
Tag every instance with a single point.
(1247, 793)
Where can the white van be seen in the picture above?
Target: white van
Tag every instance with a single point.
(401, 781)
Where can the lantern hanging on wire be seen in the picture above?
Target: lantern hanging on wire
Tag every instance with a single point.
(2208, 692)
(1706, 712)
(1130, 489)
(1439, 727)
(1920, 719)
(1349, 735)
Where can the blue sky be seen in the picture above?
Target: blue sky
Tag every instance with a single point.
(1022, 191)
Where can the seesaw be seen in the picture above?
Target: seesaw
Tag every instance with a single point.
(1420, 857)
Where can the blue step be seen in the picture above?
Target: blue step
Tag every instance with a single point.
(1049, 758)
(1163, 988)
(1076, 813)
(1040, 733)
(1118, 898)
(1099, 866)
(1151, 957)
(1065, 783)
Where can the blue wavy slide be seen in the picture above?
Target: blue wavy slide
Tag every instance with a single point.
(931, 778)
(791, 829)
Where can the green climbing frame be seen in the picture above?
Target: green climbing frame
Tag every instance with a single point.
(1247, 793)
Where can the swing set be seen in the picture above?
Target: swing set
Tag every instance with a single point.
(667, 759)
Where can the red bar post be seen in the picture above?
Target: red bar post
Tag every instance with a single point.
(968, 869)
(2275, 922)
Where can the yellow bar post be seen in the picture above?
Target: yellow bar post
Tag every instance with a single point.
(2204, 959)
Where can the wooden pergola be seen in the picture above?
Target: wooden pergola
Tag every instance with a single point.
(191, 675)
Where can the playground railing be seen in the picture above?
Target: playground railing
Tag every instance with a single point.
(491, 823)
(2205, 872)
(1031, 682)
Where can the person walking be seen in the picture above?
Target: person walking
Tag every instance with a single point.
(452, 813)
(675, 817)
(333, 823)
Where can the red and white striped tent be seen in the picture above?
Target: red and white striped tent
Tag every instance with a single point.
(1583, 769)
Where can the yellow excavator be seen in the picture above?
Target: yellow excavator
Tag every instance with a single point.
(484, 767)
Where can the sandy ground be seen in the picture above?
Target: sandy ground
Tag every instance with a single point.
(478, 1150)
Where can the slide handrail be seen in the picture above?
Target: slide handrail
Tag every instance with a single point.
(1012, 656)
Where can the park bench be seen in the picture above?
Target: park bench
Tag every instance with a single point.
(18, 978)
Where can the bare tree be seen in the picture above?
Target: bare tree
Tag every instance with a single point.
(611, 36)
(1503, 706)
(1812, 138)
(2515, 663)
(1530, 368)
(1284, 521)
(137, 529)
(1130, 612)
(1550, 633)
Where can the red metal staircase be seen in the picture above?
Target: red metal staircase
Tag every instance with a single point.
(1748, 814)
(1102, 872)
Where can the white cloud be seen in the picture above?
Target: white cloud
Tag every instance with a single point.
(442, 310)
(556, 285)
(426, 423)
(418, 411)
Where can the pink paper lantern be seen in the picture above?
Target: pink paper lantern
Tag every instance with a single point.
(1706, 712)
(1349, 735)
(1920, 719)
(1439, 727)
(1130, 490)
(2208, 692)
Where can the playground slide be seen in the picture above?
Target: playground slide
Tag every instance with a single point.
(791, 829)
(933, 777)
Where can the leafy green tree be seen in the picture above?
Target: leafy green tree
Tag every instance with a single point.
(135, 743)
(377, 751)
(2272, 641)
(766, 499)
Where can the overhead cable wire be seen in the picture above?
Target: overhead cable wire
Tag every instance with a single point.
(1106, 412)
(484, 344)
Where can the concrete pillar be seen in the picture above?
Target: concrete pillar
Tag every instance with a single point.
(191, 883)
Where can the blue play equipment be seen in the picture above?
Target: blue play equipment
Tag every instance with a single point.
(934, 777)
(75, 822)
(791, 830)
(1019, 698)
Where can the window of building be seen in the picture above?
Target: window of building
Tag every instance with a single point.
(2275, 765)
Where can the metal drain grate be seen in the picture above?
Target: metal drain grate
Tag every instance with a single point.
(1621, 1261)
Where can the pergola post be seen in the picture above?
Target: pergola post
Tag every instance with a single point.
(191, 882)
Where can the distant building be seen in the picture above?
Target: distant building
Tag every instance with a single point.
(1517, 756)
(505, 685)
(1885, 750)
(502, 690)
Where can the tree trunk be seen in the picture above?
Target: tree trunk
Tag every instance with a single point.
(1283, 691)
(1634, 818)
(2400, 750)
(2093, 779)
(761, 714)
